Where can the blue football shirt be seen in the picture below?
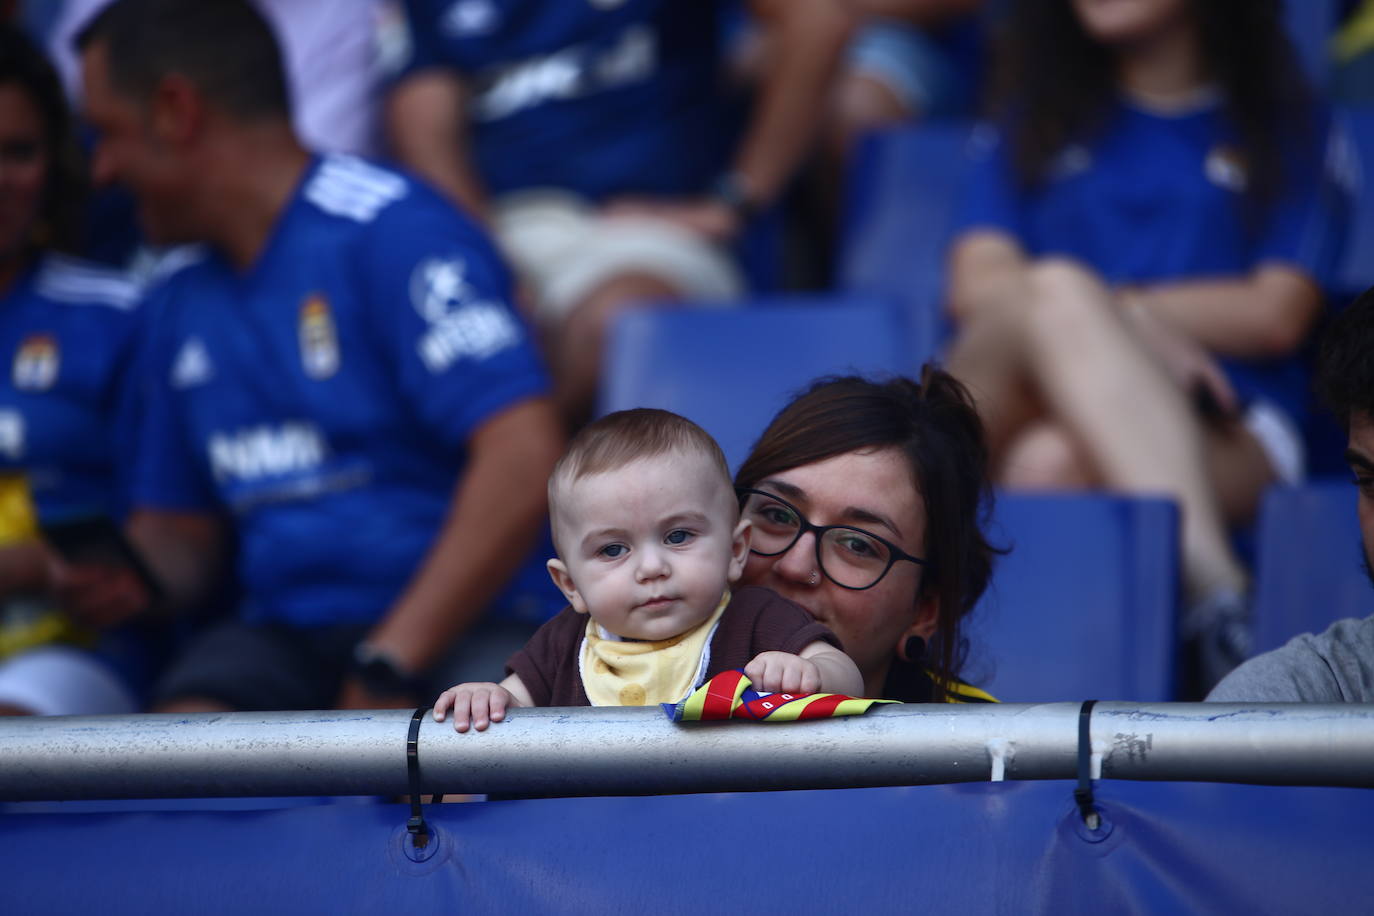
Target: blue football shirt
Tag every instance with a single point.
(68, 333)
(1157, 198)
(324, 397)
(595, 96)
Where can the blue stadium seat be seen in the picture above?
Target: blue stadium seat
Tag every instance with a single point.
(1308, 566)
(904, 188)
(1356, 271)
(1084, 605)
(1310, 25)
(732, 369)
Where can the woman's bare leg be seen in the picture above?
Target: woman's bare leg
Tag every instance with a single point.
(1130, 416)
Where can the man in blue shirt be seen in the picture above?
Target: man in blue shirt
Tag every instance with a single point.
(338, 372)
(597, 137)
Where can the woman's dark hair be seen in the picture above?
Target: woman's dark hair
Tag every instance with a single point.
(1055, 84)
(25, 67)
(935, 426)
(1345, 368)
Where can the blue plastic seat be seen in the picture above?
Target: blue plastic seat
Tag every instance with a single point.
(1356, 270)
(732, 369)
(903, 192)
(1084, 606)
(1309, 567)
(1310, 25)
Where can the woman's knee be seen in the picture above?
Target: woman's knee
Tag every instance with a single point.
(1045, 457)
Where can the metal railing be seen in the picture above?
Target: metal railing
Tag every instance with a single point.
(605, 751)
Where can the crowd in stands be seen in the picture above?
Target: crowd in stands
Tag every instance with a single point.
(303, 300)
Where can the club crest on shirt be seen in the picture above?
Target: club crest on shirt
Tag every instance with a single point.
(318, 338)
(1225, 167)
(36, 363)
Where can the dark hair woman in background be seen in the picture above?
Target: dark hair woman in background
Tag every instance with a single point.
(67, 333)
(1142, 256)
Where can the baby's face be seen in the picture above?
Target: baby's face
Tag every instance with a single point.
(648, 549)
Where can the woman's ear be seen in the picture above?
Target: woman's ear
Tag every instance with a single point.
(927, 616)
(739, 550)
(563, 579)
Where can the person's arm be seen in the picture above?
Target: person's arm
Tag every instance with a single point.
(1265, 314)
(495, 516)
(987, 272)
(807, 39)
(426, 128)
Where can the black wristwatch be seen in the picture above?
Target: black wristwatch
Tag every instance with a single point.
(730, 190)
(380, 675)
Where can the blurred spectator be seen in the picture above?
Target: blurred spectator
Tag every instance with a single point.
(330, 61)
(68, 331)
(1336, 666)
(596, 139)
(1144, 253)
(1352, 47)
(338, 370)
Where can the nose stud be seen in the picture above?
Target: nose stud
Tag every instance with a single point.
(815, 577)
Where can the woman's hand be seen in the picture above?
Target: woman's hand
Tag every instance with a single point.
(1187, 362)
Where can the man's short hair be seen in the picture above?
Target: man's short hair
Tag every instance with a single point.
(224, 47)
(1345, 368)
(625, 436)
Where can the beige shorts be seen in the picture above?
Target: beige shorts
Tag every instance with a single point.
(563, 250)
(1280, 438)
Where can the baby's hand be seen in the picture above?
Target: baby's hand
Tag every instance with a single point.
(474, 704)
(783, 672)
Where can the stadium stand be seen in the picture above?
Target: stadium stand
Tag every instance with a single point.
(731, 370)
(1309, 570)
(1084, 605)
(903, 190)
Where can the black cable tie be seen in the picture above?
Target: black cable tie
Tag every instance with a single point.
(419, 830)
(1084, 793)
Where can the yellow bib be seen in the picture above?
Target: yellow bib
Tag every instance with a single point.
(619, 673)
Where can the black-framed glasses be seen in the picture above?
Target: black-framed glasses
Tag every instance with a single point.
(850, 557)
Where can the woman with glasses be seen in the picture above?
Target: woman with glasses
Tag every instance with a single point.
(866, 500)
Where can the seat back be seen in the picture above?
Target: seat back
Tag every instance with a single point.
(903, 191)
(1083, 607)
(1309, 567)
(731, 370)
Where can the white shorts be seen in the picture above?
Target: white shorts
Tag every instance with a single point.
(63, 681)
(563, 250)
(1280, 438)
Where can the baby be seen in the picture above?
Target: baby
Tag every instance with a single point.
(649, 539)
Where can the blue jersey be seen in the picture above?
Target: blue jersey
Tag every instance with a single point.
(600, 97)
(1159, 198)
(325, 396)
(69, 331)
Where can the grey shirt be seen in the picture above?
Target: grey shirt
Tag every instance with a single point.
(1336, 666)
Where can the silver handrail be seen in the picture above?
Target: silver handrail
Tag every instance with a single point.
(638, 751)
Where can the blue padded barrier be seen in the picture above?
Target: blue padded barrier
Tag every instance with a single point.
(1084, 605)
(903, 191)
(1014, 848)
(1308, 565)
(731, 370)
